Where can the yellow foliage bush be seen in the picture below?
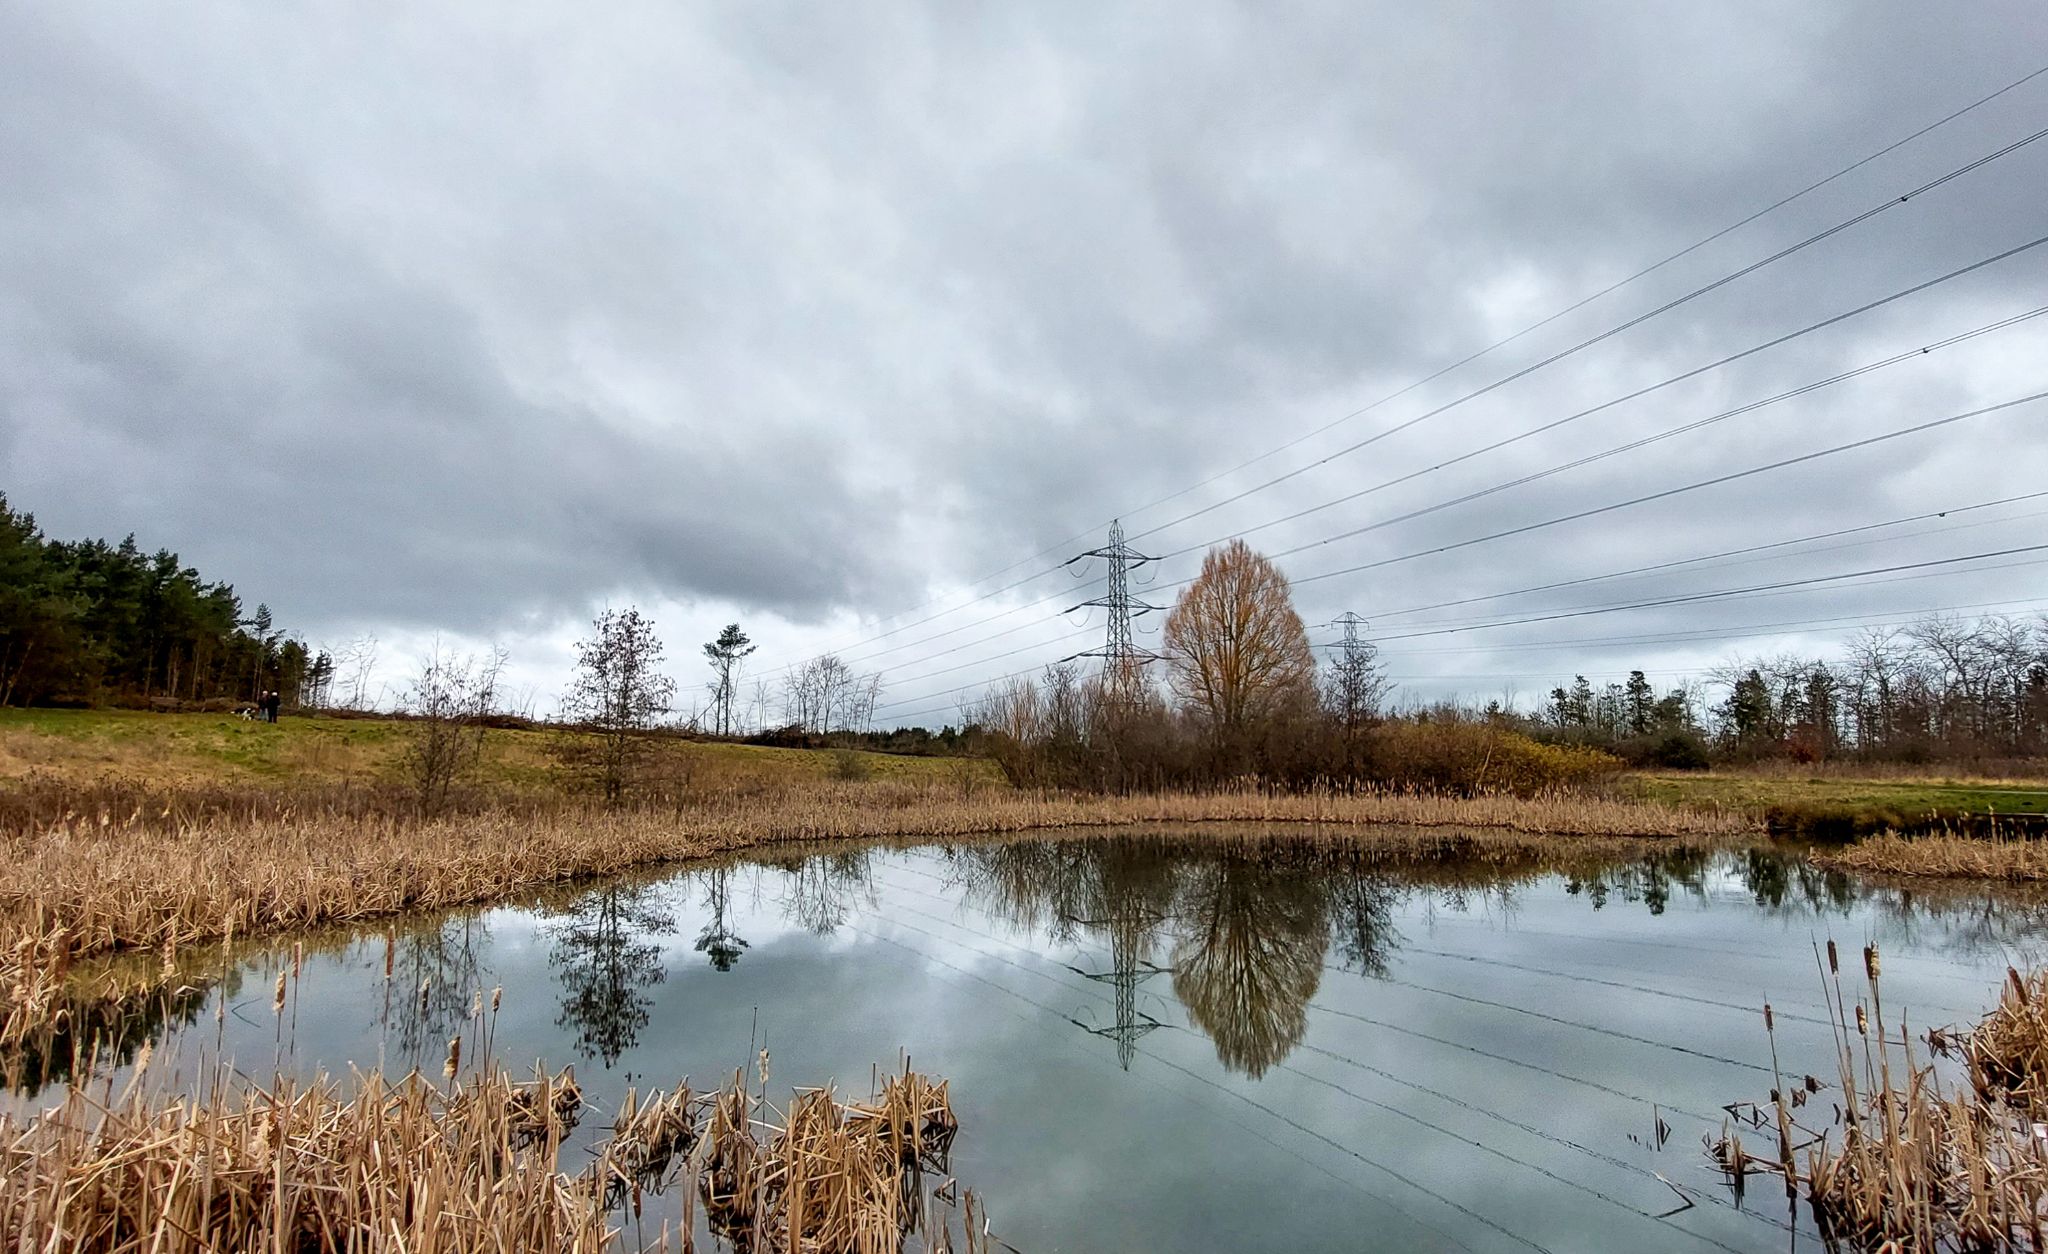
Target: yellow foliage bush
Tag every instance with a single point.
(1442, 755)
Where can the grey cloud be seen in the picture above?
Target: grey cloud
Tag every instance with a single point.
(484, 316)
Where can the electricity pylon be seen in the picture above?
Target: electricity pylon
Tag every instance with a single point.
(1121, 659)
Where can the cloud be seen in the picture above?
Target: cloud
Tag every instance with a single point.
(474, 319)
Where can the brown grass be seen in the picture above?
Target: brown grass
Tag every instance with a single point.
(1942, 857)
(1909, 1162)
(410, 1166)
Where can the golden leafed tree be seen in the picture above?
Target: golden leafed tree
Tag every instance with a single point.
(1237, 649)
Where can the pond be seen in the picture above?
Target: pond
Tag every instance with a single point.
(1188, 1040)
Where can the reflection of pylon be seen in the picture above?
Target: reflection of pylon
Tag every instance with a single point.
(1127, 971)
(1121, 660)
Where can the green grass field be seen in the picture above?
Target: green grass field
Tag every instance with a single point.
(1845, 806)
(219, 748)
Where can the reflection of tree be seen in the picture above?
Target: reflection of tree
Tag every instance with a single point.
(435, 973)
(1362, 916)
(604, 962)
(1775, 876)
(822, 892)
(90, 1030)
(1649, 879)
(1250, 958)
(718, 940)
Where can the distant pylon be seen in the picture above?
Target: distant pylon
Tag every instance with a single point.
(1121, 659)
(1350, 622)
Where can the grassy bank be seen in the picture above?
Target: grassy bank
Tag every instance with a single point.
(206, 750)
(1837, 806)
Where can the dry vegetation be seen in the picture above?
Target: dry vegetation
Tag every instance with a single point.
(1942, 857)
(1910, 1161)
(378, 1166)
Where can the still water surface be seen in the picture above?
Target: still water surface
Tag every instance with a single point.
(1175, 1042)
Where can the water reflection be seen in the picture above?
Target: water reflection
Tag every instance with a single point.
(1249, 926)
(435, 972)
(605, 958)
(1232, 936)
(718, 941)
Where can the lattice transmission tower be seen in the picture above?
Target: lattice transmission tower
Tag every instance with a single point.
(1122, 660)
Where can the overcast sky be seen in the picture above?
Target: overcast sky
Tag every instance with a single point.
(470, 319)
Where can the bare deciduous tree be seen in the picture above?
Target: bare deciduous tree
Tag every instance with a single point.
(1236, 648)
(825, 693)
(358, 664)
(449, 700)
(618, 693)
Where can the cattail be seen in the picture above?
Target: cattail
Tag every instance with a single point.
(497, 995)
(1834, 959)
(425, 981)
(277, 997)
(454, 1063)
(1870, 964)
(476, 1005)
(390, 952)
(1862, 1021)
(1769, 1024)
(298, 957)
(764, 1064)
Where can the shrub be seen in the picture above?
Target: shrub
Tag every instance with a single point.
(1443, 755)
(850, 765)
(1680, 751)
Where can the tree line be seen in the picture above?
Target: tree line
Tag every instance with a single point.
(91, 623)
(1943, 689)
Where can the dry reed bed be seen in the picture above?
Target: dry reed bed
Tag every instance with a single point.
(2015, 861)
(93, 883)
(410, 1166)
(1907, 1161)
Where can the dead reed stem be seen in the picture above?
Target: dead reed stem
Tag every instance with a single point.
(2014, 860)
(377, 1166)
(1907, 1162)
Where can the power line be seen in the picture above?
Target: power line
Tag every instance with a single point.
(1638, 320)
(1722, 594)
(1754, 548)
(1885, 619)
(1559, 520)
(1605, 291)
(1810, 188)
(1667, 493)
(1554, 424)
(1526, 528)
(1895, 359)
